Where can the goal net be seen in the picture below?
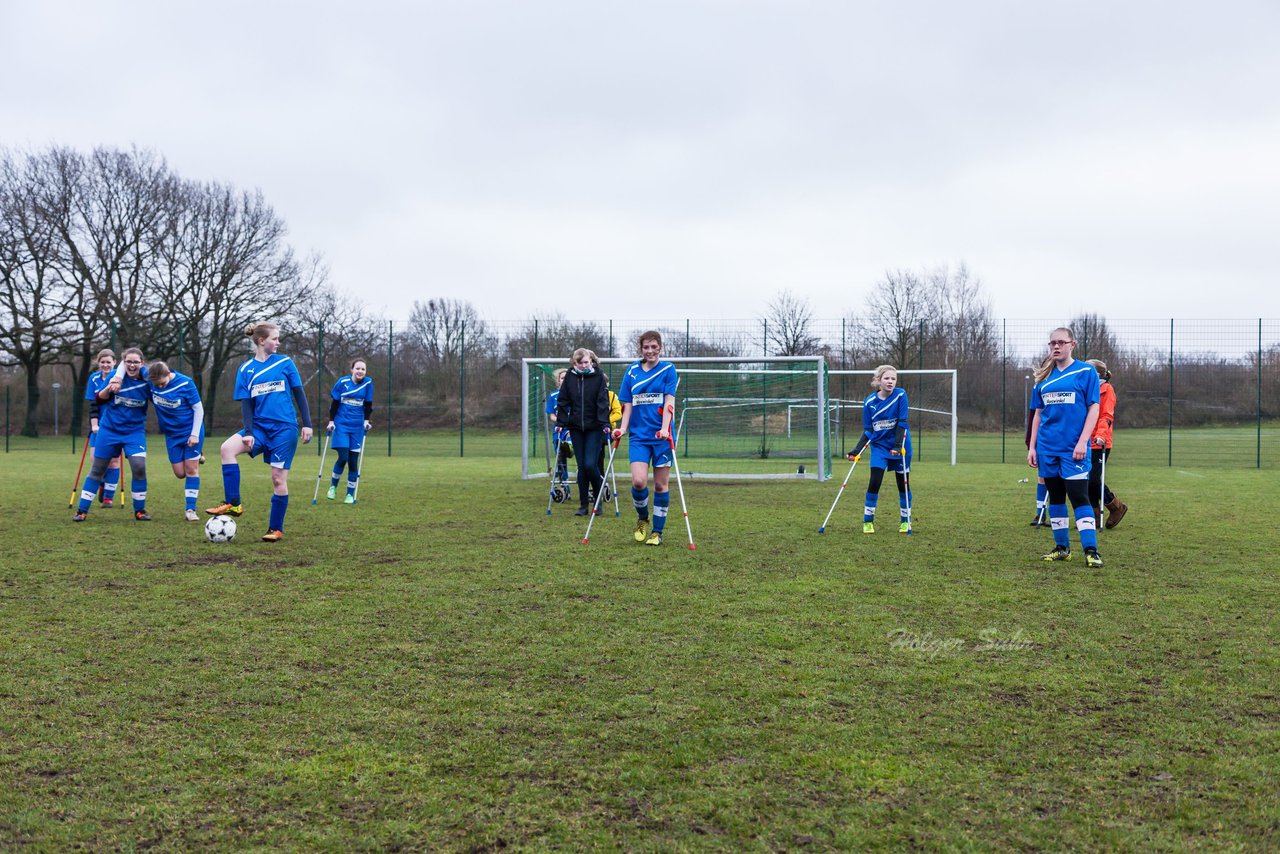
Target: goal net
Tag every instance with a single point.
(736, 417)
(932, 398)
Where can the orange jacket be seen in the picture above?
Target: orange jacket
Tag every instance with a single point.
(1106, 417)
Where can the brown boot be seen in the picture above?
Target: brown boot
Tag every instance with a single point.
(1115, 512)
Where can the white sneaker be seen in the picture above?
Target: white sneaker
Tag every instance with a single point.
(192, 517)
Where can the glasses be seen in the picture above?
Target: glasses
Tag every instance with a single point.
(1060, 343)
(131, 362)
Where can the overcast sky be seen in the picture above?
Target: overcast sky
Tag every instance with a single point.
(671, 159)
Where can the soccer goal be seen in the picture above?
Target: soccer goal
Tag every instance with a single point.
(932, 394)
(736, 417)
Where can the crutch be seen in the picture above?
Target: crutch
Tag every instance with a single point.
(320, 473)
(906, 478)
(856, 457)
(555, 467)
(355, 495)
(1102, 492)
(76, 483)
(613, 449)
(675, 464)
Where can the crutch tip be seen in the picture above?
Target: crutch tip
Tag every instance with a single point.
(692, 547)
(584, 541)
(822, 530)
(548, 512)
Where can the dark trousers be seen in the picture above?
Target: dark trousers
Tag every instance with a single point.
(586, 447)
(1096, 498)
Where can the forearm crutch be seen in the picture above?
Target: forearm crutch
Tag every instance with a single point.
(324, 453)
(613, 448)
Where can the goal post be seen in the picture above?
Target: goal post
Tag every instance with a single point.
(734, 416)
(932, 394)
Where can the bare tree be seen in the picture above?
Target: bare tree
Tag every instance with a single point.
(33, 306)
(899, 306)
(1094, 339)
(787, 326)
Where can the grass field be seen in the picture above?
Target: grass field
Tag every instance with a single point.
(444, 666)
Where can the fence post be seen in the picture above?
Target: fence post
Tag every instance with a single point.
(1171, 392)
(1004, 380)
(686, 336)
(319, 379)
(536, 386)
(1259, 444)
(462, 389)
(391, 349)
(182, 346)
(6, 419)
(764, 395)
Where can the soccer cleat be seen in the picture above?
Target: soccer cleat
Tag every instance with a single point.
(904, 527)
(331, 493)
(107, 502)
(1036, 521)
(226, 510)
(868, 527)
(141, 516)
(350, 499)
(1058, 553)
(273, 536)
(1092, 558)
(655, 539)
(192, 516)
(642, 530)
(80, 516)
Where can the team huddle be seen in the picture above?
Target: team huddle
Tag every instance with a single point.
(272, 402)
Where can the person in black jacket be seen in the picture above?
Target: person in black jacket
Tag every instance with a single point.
(583, 407)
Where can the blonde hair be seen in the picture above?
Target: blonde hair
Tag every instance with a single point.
(1046, 366)
(1101, 367)
(158, 371)
(880, 372)
(583, 352)
(260, 331)
(559, 374)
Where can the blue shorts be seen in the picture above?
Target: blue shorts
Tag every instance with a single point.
(179, 450)
(351, 438)
(1061, 465)
(107, 445)
(276, 442)
(881, 459)
(655, 453)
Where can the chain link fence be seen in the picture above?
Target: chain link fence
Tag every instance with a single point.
(1191, 392)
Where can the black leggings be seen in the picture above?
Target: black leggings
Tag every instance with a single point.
(1096, 486)
(877, 477)
(137, 467)
(586, 447)
(1061, 491)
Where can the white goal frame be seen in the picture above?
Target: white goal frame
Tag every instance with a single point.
(701, 364)
(906, 373)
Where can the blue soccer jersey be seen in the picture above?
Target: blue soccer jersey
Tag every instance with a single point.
(125, 412)
(881, 419)
(97, 382)
(1064, 398)
(269, 384)
(175, 404)
(552, 400)
(646, 391)
(351, 397)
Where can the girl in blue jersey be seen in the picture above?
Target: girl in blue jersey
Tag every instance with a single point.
(1066, 404)
(122, 428)
(1041, 519)
(106, 361)
(267, 386)
(180, 414)
(884, 428)
(648, 396)
(350, 409)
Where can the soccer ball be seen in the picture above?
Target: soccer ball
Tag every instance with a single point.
(220, 529)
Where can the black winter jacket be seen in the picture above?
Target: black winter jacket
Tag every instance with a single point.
(584, 402)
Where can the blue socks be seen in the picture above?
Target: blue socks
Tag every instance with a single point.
(279, 504)
(192, 491)
(110, 483)
(1042, 494)
(661, 502)
(640, 498)
(87, 492)
(231, 482)
(869, 510)
(902, 504)
(1087, 526)
(1058, 521)
(138, 489)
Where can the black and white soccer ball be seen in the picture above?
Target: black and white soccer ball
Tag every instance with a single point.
(220, 529)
